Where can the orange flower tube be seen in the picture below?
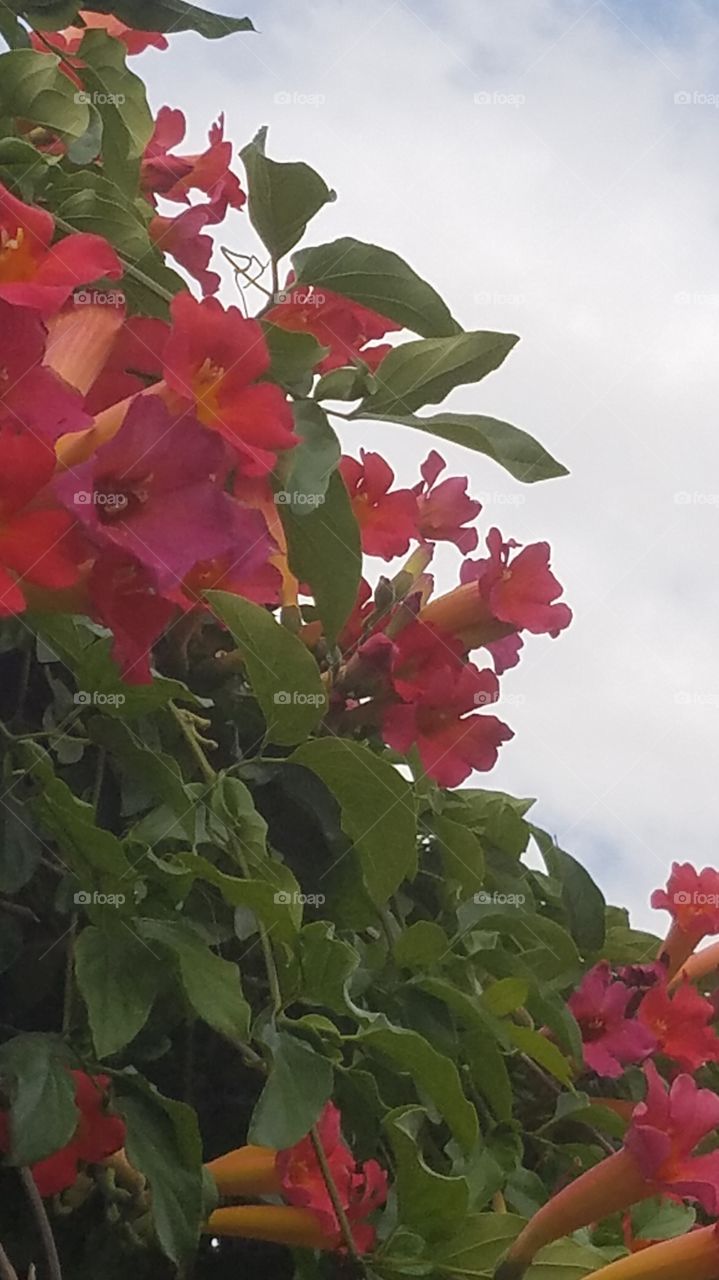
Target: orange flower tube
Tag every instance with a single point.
(276, 1224)
(613, 1185)
(80, 342)
(698, 965)
(248, 1171)
(694, 1256)
(464, 614)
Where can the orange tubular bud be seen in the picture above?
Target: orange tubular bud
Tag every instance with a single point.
(248, 1171)
(694, 1256)
(277, 1224)
(676, 949)
(613, 1185)
(698, 965)
(464, 614)
(80, 341)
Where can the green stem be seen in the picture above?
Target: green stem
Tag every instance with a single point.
(334, 1196)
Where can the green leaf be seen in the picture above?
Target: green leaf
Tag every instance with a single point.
(11, 942)
(350, 382)
(33, 88)
(282, 198)
(505, 996)
(284, 676)
(662, 1219)
(22, 167)
(20, 845)
(462, 854)
(211, 984)
(71, 822)
(424, 372)
(119, 96)
(310, 466)
(119, 980)
(43, 1115)
(428, 1202)
(325, 552)
(170, 16)
(159, 772)
(293, 357)
(377, 807)
(583, 901)
(12, 32)
(541, 1050)
(479, 1040)
(422, 945)
(327, 963)
(477, 1248)
(519, 453)
(241, 824)
(629, 946)
(163, 1142)
(276, 901)
(377, 279)
(432, 1073)
(297, 1088)
(90, 202)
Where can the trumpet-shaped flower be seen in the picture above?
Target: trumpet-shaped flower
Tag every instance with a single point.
(692, 899)
(36, 273)
(99, 1134)
(610, 1038)
(681, 1025)
(30, 393)
(174, 176)
(338, 323)
(519, 590)
(693, 1256)
(387, 519)
(35, 545)
(445, 508)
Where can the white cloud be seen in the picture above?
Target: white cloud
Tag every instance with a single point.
(585, 218)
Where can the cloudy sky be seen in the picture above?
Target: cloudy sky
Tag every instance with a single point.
(550, 166)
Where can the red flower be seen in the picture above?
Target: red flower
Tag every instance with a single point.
(692, 898)
(70, 38)
(99, 1134)
(30, 393)
(387, 521)
(33, 544)
(36, 273)
(680, 1025)
(124, 598)
(521, 591)
(336, 322)
(173, 177)
(419, 651)
(610, 1039)
(451, 743)
(664, 1131)
(444, 508)
(362, 1188)
(182, 237)
(134, 362)
(212, 361)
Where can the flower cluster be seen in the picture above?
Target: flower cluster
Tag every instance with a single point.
(307, 1215)
(635, 1014)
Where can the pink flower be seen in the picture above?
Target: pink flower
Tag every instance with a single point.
(444, 508)
(173, 176)
(680, 1025)
(338, 323)
(692, 898)
(29, 392)
(610, 1039)
(182, 237)
(451, 741)
(663, 1133)
(521, 590)
(156, 492)
(124, 598)
(387, 520)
